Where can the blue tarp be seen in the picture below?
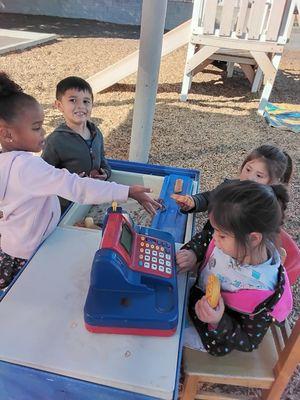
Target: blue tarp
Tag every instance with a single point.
(279, 117)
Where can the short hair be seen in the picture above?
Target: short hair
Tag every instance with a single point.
(72, 82)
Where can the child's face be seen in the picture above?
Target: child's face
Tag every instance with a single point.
(256, 171)
(225, 242)
(76, 106)
(27, 132)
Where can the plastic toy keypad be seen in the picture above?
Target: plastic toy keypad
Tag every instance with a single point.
(154, 256)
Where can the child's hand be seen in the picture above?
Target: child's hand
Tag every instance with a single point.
(101, 174)
(139, 193)
(186, 260)
(185, 202)
(208, 314)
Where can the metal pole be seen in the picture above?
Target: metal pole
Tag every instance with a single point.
(152, 30)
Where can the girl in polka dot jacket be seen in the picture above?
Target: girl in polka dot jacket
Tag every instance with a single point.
(238, 245)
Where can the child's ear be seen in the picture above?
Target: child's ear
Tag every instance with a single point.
(255, 238)
(5, 134)
(58, 105)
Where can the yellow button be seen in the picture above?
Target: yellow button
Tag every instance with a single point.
(152, 246)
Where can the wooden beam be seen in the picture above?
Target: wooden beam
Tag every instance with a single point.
(201, 55)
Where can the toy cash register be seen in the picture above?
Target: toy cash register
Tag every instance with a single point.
(133, 288)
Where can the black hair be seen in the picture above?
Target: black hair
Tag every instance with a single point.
(243, 207)
(72, 82)
(12, 99)
(279, 164)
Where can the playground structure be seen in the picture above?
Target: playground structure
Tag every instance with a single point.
(172, 40)
(249, 33)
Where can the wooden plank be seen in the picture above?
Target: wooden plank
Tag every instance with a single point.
(265, 64)
(202, 66)
(197, 13)
(201, 55)
(227, 17)
(189, 387)
(209, 16)
(275, 19)
(248, 71)
(286, 365)
(268, 87)
(241, 22)
(287, 22)
(255, 19)
(242, 44)
(175, 38)
(232, 58)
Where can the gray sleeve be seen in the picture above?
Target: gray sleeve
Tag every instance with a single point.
(50, 154)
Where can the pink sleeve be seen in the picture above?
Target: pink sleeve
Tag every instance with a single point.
(42, 179)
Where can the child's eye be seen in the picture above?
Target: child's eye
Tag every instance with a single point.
(37, 129)
(87, 102)
(72, 100)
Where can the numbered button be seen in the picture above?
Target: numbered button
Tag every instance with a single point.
(147, 258)
(161, 262)
(168, 271)
(147, 251)
(154, 259)
(168, 257)
(161, 269)
(154, 252)
(154, 267)
(168, 264)
(147, 265)
(161, 254)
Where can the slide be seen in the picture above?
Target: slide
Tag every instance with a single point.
(172, 40)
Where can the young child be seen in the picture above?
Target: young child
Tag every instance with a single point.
(29, 207)
(245, 217)
(267, 164)
(77, 144)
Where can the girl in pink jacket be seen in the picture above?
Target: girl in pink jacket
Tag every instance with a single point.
(29, 206)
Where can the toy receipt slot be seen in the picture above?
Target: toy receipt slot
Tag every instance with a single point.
(133, 287)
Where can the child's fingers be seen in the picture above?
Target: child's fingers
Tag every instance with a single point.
(184, 201)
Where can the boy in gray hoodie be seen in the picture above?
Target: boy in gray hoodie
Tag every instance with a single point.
(77, 144)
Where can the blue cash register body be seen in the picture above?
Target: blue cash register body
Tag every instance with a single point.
(133, 288)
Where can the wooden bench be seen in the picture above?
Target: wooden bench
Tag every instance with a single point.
(251, 33)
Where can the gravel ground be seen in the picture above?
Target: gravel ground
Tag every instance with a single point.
(212, 132)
